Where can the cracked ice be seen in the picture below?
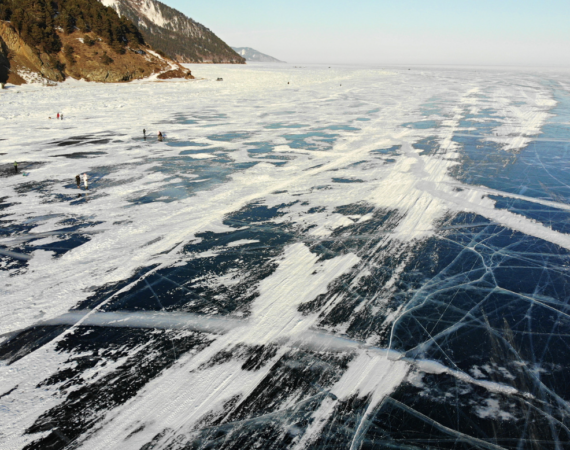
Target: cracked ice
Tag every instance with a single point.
(312, 258)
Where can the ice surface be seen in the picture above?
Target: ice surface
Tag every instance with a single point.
(345, 258)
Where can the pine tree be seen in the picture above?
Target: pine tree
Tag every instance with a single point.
(68, 53)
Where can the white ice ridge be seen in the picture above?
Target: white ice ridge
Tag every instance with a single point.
(308, 339)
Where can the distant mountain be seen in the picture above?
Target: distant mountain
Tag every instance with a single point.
(253, 55)
(171, 32)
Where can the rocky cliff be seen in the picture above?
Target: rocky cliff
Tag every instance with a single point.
(83, 56)
(178, 36)
(21, 62)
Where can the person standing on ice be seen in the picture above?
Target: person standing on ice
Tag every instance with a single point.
(85, 181)
(16, 166)
(58, 115)
(160, 135)
(78, 181)
(144, 133)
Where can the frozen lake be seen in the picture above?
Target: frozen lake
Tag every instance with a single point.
(312, 258)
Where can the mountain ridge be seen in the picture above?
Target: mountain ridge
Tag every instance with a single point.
(178, 36)
(251, 54)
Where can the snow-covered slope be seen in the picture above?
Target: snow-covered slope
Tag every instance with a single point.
(251, 54)
(178, 36)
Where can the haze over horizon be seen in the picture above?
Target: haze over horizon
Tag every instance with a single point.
(523, 33)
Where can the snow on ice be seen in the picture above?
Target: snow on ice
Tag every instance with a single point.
(312, 258)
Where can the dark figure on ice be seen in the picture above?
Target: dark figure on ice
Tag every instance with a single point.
(61, 117)
(16, 166)
(144, 134)
(160, 136)
(78, 181)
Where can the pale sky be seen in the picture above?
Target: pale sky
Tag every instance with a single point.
(474, 32)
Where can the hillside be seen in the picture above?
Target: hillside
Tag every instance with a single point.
(43, 40)
(178, 36)
(251, 54)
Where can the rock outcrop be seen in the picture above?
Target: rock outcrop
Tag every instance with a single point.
(175, 73)
(4, 65)
(21, 59)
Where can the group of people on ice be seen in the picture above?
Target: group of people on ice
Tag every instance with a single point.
(160, 135)
(84, 176)
(85, 181)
